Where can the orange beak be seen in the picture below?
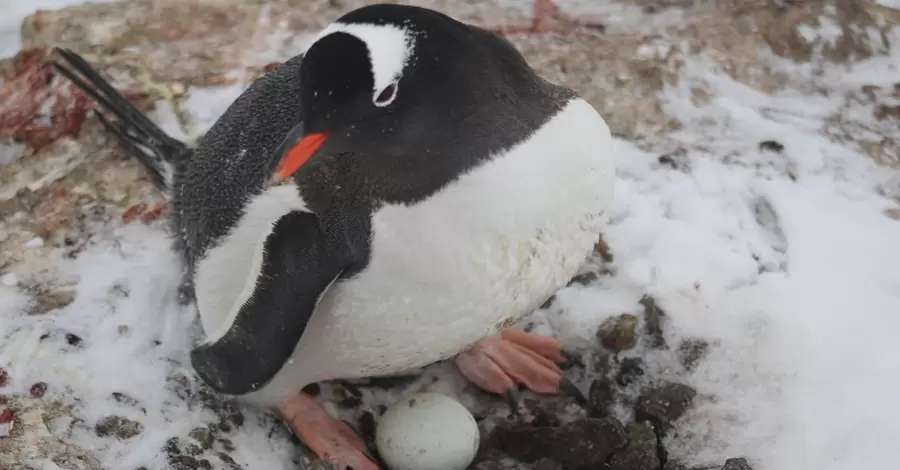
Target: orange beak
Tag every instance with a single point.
(297, 155)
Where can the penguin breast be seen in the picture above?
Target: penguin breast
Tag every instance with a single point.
(479, 254)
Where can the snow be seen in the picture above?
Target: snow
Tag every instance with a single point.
(784, 261)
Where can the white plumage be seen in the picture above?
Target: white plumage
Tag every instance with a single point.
(446, 272)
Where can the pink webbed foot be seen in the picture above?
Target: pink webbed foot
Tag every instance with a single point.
(331, 439)
(500, 365)
(545, 20)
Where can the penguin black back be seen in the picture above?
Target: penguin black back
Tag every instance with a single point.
(235, 158)
(462, 95)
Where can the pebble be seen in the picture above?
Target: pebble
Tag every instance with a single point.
(124, 399)
(119, 427)
(38, 389)
(601, 397)
(653, 316)
(630, 370)
(641, 453)
(543, 464)
(73, 340)
(618, 333)
(691, 351)
(580, 444)
(663, 404)
(737, 464)
(583, 279)
(185, 462)
(772, 146)
(203, 436)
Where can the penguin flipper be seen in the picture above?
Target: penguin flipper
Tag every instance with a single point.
(300, 264)
(155, 149)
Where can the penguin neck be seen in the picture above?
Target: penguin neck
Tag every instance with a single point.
(227, 273)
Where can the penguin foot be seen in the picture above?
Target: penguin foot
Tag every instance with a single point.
(546, 19)
(499, 365)
(331, 439)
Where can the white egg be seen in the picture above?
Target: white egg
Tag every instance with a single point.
(427, 431)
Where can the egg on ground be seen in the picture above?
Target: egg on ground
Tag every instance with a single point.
(427, 431)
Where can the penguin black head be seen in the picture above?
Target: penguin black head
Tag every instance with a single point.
(412, 94)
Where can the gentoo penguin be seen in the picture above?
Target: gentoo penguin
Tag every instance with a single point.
(398, 195)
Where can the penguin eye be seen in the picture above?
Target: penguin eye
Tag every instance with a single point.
(386, 95)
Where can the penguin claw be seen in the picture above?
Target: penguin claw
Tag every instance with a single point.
(571, 358)
(513, 397)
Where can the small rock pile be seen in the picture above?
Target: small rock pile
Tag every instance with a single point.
(627, 415)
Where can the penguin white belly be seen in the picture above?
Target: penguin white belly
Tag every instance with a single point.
(456, 268)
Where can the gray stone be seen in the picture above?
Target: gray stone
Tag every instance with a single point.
(641, 453)
(119, 427)
(663, 404)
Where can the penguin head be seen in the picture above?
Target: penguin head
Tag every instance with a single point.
(407, 91)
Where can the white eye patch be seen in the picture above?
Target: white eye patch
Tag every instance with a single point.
(390, 48)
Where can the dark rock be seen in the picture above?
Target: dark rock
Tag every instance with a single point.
(193, 450)
(600, 363)
(230, 416)
(73, 339)
(583, 279)
(544, 464)
(883, 111)
(312, 389)
(203, 436)
(737, 464)
(4, 378)
(124, 399)
(580, 444)
(677, 160)
(629, 371)
(548, 302)
(653, 317)
(602, 248)
(500, 464)
(38, 389)
(118, 426)
(771, 146)
(184, 462)
(618, 333)
(601, 397)
(641, 453)
(663, 404)
(691, 351)
(674, 465)
(229, 462)
(180, 385)
(367, 427)
(172, 447)
(226, 444)
(350, 396)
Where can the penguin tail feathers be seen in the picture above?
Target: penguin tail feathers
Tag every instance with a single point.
(156, 150)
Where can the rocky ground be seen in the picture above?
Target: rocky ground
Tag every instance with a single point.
(62, 180)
